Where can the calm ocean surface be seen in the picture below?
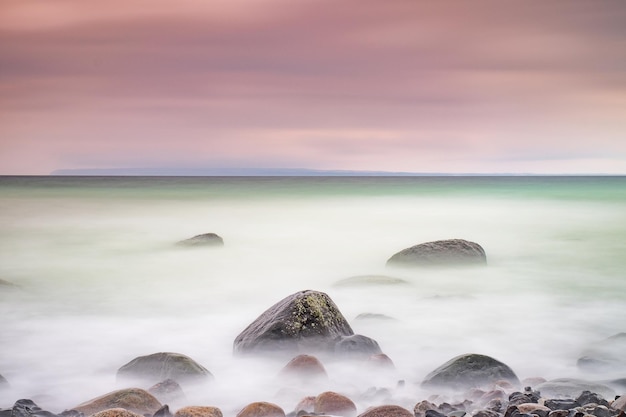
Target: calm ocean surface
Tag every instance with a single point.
(99, 280)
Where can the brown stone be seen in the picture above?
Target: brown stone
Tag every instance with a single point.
(530, 407)
(304, 367)
(167, 391)
(386, 411)
(306, 404)
(421, 407)
(333, 403)
(261, 409)
(132, 399)
(116, 412)
(197, 411)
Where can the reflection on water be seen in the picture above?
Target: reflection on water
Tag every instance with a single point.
(101, 281)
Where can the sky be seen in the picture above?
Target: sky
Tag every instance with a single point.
(395, 85)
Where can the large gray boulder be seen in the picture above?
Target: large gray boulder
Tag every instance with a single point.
(468, 371)
(158, 367)
(304, 322)
(451, 252)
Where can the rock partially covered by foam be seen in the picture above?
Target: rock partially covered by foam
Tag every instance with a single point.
(451, 252)
(468, 371)
(205, 239)
(161, 366)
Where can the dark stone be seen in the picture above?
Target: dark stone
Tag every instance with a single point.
(72, 413)
(206, 239)
(163, 412)
(588, 397)
(574, 412)
(517, 398)
(304, 322)
(27, 408)
(558, 413)
(467, 371)
(606, 355)
(485, 413)
(433, 413)
(356, 346)
(600, 411)
(157, 367)
(561, 404)
(440, 253)
(512, 411)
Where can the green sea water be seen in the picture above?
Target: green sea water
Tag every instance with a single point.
(99, 280)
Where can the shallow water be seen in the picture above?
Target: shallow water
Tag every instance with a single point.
(101, 281)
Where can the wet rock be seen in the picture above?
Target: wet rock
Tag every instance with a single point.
(356, 346)
(363, 280)
(559, 413)
(433, 413)
(26, 408)
(517, 398)
(598, 411)
(261, 409)
(197, 411)
(560, 404)
(304, 368)
(572, 388)
(619, 404)
(606, 355)
(588, 397)
(333, 403)
(167, 391)
(532, 408)
(467, 371)
(163, 412)
(485, 413)
(440, 253)
(307, 404)
(422, 407)
(132, 399)
(386, 411)
(157, 367)
(304, 322)
(205, 239)
(496, 405)
(116, 412)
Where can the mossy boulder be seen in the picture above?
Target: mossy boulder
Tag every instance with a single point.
(450, 252)
(158, 367)
(469, 371)
(304, 322)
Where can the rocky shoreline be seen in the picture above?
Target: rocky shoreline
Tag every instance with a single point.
(305, 330)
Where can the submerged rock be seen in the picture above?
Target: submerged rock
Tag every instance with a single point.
(164, 365)
(356, 346)
(363, 280)
(451, 252)
(206, 239)
(304, 368)
(572, 388)
(304, 322)
(168, 391)
(606, 355)
(470, 370)
(132, 399)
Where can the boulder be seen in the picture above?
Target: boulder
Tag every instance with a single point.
(198, 411)
(261, 409)
(116, 412)
(356, 346)
(305, 405)
(333, 403)
(451, 252)
(304, 367)
(572, 388)
(470, 370)
(205, 239)
(619, 404)
(386, 411)
(131, 399)
(167, 392)
(606, 355)
(157, 367)
(367, 280)
(304, 322)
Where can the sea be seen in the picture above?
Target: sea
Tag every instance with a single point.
(93, 278)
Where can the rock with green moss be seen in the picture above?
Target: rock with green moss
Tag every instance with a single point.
(304, 322)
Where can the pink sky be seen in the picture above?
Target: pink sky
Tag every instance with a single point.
(440, 86)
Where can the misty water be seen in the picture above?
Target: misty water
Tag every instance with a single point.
(99, 280)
